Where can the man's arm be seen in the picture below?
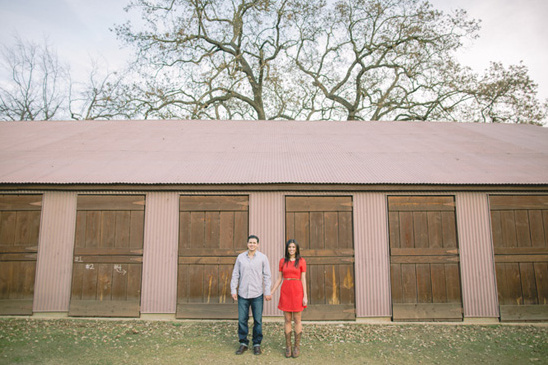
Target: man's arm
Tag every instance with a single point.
(267, 279)
(235, 279)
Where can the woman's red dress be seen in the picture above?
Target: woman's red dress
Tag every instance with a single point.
(291, 294)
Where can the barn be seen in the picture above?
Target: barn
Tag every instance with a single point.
(398, 221)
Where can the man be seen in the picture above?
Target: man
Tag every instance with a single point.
(251, 277)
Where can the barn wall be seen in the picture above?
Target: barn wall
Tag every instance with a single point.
(372, 261)
(159, 285)
(266, 220)
(479, 289)
(55, 252)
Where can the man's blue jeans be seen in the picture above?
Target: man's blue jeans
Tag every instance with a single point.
(256, 305)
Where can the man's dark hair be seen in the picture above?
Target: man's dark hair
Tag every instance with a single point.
(253, 236)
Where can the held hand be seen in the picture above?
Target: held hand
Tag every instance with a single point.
(235, 296)
(305, 302)
(268, 297)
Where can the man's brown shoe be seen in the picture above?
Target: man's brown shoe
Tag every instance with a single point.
(241, 350)
(257, 350)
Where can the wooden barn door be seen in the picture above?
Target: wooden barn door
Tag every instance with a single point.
(322, 226)
(520, 239)
(108, 256)
(213, 230)
(424, 258)
(19, 228)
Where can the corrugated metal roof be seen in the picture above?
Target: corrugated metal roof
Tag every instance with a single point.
(263, 152)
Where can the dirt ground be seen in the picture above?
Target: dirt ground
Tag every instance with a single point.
(87, 341)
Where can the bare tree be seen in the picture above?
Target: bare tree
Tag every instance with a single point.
(212, 58)
(395, 60)
(103, 95)
(37, 85)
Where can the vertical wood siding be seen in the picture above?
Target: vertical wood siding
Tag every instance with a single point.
(476, 254)
(55, 251)
(372, 263)
(266, 220)
(159, 286)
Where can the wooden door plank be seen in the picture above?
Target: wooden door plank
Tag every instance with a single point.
(537, 228)
(421, 203)
(513, 202)
(396, 283)
(394, 230)
(137, 229)
(434, 228)
(523, 313)
(420, 229)
(108, 229)
(134, 280)
(93, 229)
(452, 283)
(346, 274)
(496, 229)
(183, 283)
(317, 233)
(123, 220)
(241, 229)
(302, 229)
(331, 229)
(409, 283)
(226, 231)
(407, 234)
(528, 283)
(290, 226)
(427, 311)
(449, 229)
(213, 203)
(346, 229)
(508, 229)
(111, 308)
(424, 283)
(523, 235)
(119, 281)
(110, 202)
(23, 202)
(439, 290)
(318, 203)
(184, 231)
(316, 284)
(541, 278)
(207, 311)
(212, 229)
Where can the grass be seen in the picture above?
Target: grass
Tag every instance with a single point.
(84, 341)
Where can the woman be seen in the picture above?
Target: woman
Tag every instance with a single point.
(293, 298)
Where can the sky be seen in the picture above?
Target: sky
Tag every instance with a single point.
(512, 31)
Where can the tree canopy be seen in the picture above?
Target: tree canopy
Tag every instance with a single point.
(306, 60)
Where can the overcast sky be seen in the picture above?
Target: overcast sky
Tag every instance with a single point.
(512, 31)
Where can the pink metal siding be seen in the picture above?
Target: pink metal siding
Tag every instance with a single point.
(265, 152)
(55, 252)
(372, 261)
(266, 220)
(476, 255)
(159, 285)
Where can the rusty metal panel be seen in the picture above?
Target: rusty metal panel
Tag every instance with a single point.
(159, 285)
(265, 152)
(55, 251)
(266, 220)
(372, 263)
(479, 291)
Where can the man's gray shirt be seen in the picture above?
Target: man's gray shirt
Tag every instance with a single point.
(250, 274)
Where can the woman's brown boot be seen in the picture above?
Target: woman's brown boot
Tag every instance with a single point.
(297, 348)
(288, 344)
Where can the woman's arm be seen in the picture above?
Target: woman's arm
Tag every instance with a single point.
(303, 281)
(278, 282)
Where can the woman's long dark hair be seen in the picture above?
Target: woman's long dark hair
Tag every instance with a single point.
(297, 252)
